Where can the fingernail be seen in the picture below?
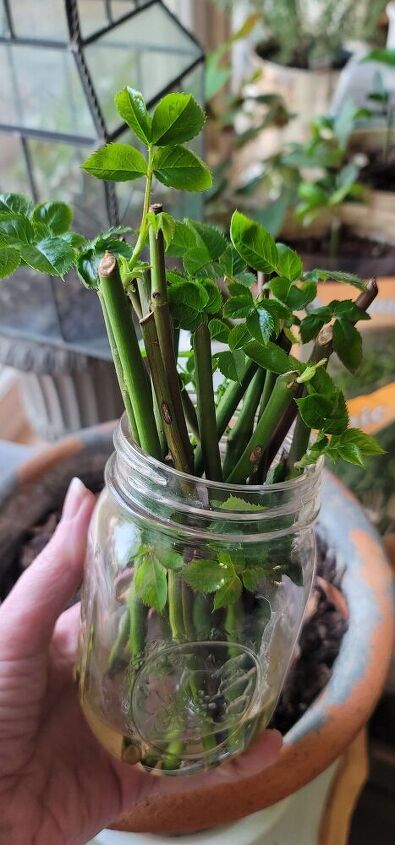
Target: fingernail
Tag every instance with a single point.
(74, 498)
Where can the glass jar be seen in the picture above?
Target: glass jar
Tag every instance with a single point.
(192, 602)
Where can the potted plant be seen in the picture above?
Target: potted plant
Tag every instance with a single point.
(202, 549)
(304, 49)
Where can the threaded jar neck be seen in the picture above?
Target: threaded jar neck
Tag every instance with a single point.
(191, 506)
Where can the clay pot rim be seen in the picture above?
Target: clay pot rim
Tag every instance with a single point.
(337, 715)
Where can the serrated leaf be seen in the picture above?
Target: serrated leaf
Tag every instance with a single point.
(271, 357)
(318, 275)
(133, 110)
(252, 578)
(254, 244)
(300, 296)
(311, 325)
(151, 582)
(238, 337)
(289, 263)
(17, 203)
(260, 324)
(183, 240)
(236, 503)
(9, 262)
(231, 262)
(280, 287)
(204, 576)
(238, 306)
(348, 310)
(15, 230)
(56, 215)
(187, 300)
(214, 301)
(229, 593)
(212, 238)
(231, 364)
(326, 413)
(177, 167)
(347, 343)
(51, 255)
(171, 559)
(219, 330)
(165, 223)
(116, 163)
(177, 118)
(238, 289)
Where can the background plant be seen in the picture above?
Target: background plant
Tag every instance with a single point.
(306, 34)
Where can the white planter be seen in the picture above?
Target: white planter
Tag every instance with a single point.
(307, 93)
(294, 821)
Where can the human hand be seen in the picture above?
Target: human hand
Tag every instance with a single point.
(57, 785)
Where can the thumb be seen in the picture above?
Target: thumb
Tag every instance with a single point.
(29, 613)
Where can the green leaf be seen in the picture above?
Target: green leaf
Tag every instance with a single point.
(311, 326)
(9, 262)
(238, 289)
(51, 255)
(204, 576)
(212, 238)
(231, 263)
(277, 310)
(260, 324)
(229, 593)
(171, 559)
(214, 302)
(238, 337)
(177, 118)
(271, 357)
(15, 230)
(235, 503)
(300, 296)
(347, 343)
(280, 287)
(219, 330)
(289, 264)
(17, 203)
(116, 163)
(318, 275)
(184, 239)
(385, 56)
(151, 582)
(252, 578)
(348, 310)
(326, 413)
(238, 306)
(56, 215)
(231, 364)
(177, 167)
(165, 223)
(187, 300)
(254, 244)
(133, 110)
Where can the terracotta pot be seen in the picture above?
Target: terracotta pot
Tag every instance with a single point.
(330, 724)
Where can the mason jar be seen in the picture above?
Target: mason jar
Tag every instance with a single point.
(193, 598)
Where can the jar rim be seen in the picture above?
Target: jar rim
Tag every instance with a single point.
(123, 440)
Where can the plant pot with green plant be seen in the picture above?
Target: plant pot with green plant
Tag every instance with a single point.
(304, 48)
(201, 552)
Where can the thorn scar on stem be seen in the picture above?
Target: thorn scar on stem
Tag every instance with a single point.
(167, 417)
(256, 455)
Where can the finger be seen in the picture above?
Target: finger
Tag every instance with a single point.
(28, 615)
(65, 635)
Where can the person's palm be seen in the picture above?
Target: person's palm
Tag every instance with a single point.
(57, 785)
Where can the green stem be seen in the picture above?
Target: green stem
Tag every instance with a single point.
(279, 401)
(125, 338)
(205, 403)
(270, 381)
(140, 244)
(165, 332)
(119, 373)
(242, 430)
(138, 616)
(227, 406)
(190, 413)
(300, 443)
(134, 296)
(120, 643)
(158, 374)
(176, 614)
(144, 286)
